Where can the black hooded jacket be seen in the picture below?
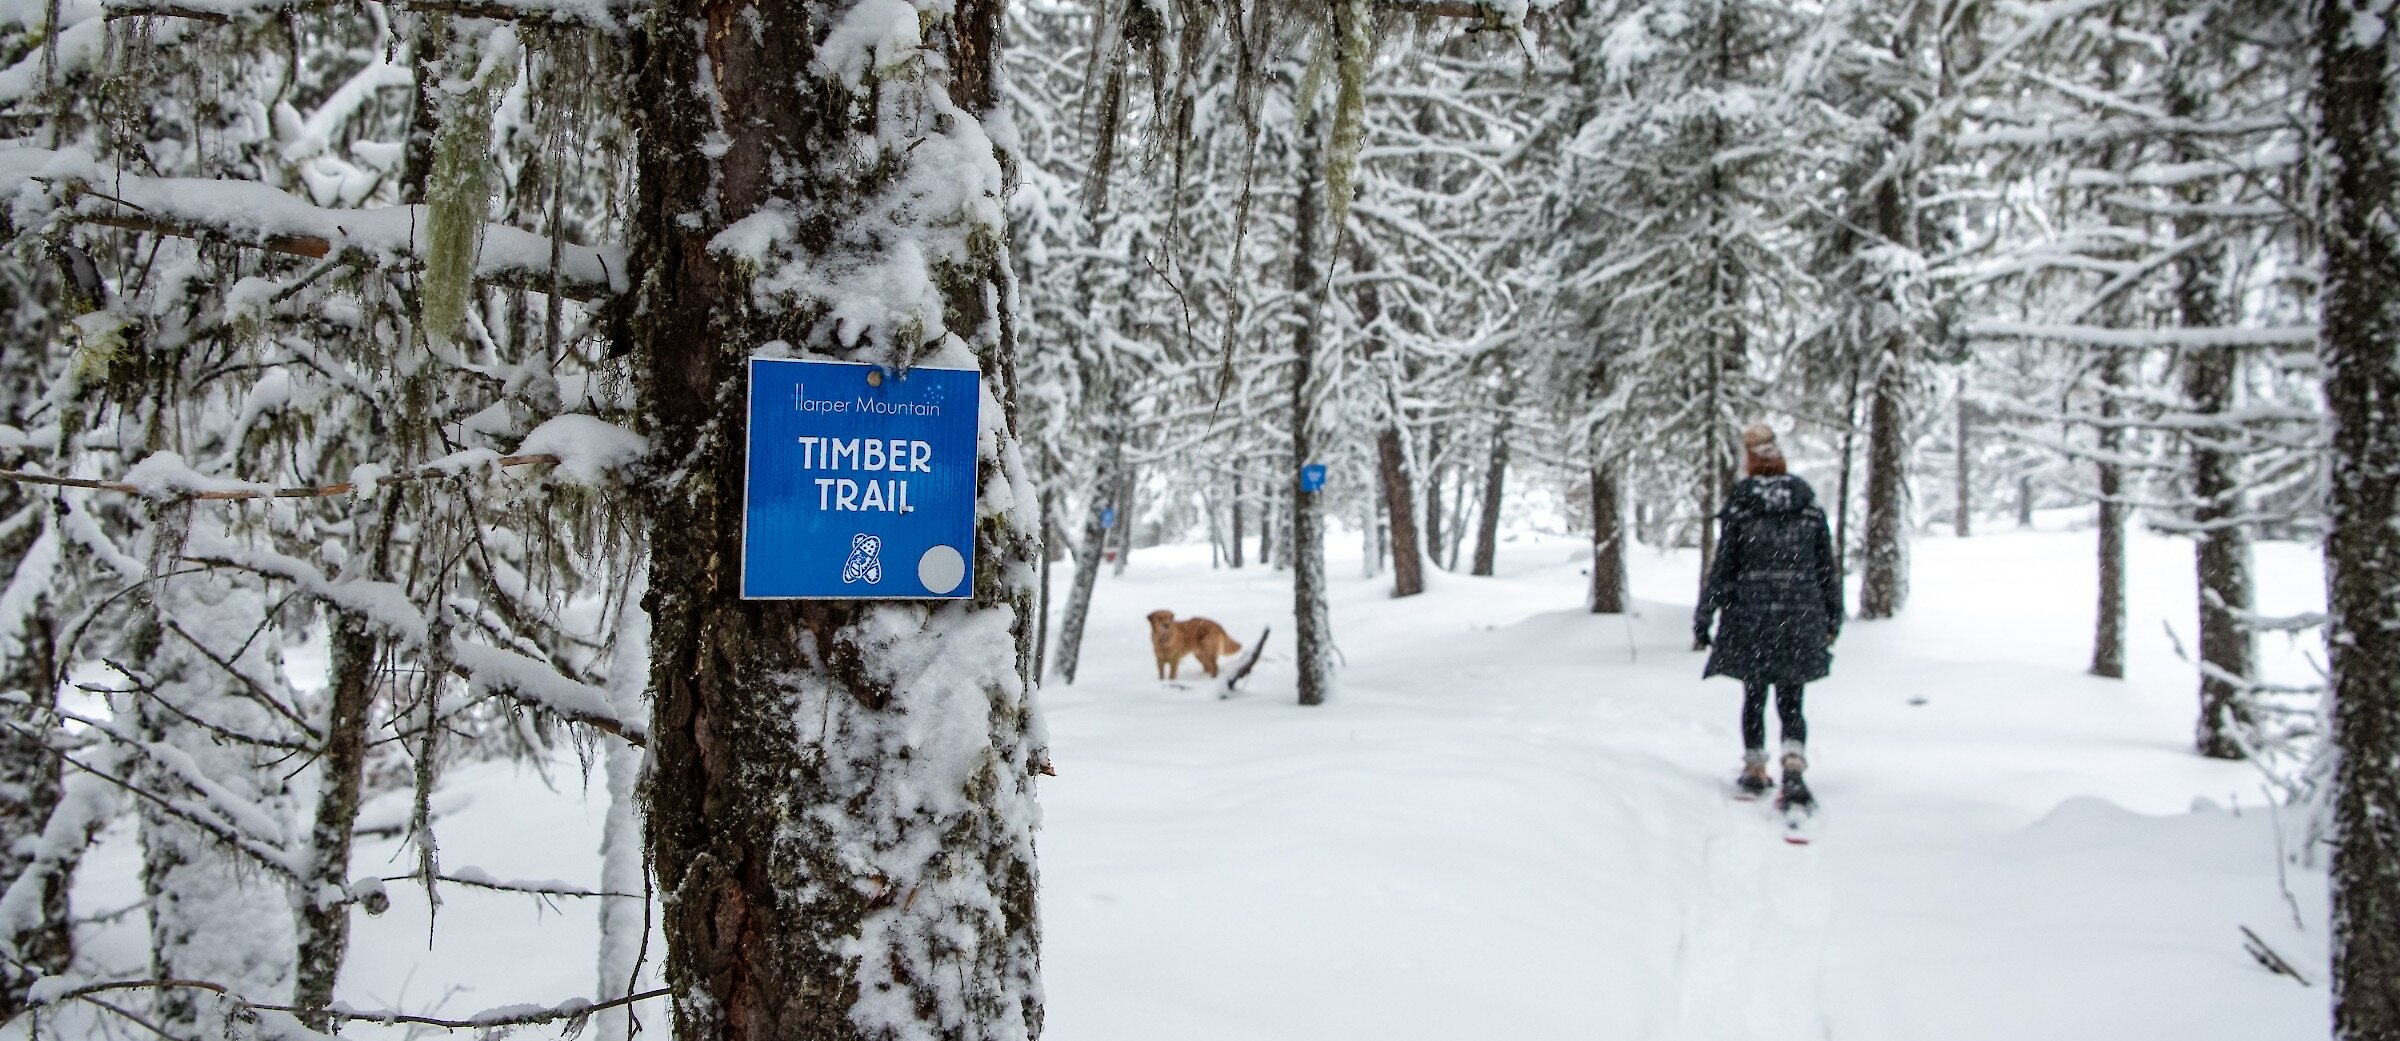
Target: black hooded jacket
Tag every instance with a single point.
(1775, 581)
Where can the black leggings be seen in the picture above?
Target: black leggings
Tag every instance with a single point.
(1787, 712)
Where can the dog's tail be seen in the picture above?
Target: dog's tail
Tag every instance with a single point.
(1227, 646)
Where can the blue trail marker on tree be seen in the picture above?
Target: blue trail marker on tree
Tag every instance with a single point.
(1312, 477)
(861, 485)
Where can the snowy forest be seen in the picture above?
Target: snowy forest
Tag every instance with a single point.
(375, 660)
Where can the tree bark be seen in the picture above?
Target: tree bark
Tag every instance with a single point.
(30, 782)
(1608, 543)
(2221, 547)
(1127, 486)
(2108, 626)
(2360, 342)
(1236, 560)
(1312, 628)
(1495, 477)
(1966, 473)
(1883, 589)
(1841, 495)
(1399, 502)
(1088, 556)
(1041, 634)
(342, 762)
(2025, 502)
(831, 866)
(1433, 497)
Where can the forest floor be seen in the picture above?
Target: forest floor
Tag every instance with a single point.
(1510, 821)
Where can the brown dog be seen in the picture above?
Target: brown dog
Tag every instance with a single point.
(1170, 640)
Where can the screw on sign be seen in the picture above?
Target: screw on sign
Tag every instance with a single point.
(861, 484)
(1312, 477)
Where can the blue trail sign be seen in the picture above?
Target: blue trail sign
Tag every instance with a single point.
(861, 485)
(1312, 477)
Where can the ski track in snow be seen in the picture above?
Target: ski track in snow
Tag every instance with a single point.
(1511, 821)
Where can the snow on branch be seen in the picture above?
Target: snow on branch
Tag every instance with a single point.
(64, 185)
(55, 990)
(163, 478)
(2135, 339)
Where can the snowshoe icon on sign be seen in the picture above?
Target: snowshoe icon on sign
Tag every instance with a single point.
(866, 560)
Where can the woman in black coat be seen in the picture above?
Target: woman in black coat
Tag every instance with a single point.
(1780, 595)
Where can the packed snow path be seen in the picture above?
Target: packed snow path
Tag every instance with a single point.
(1512, 821)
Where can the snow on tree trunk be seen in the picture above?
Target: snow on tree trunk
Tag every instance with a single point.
(35, 937)
(2108, 624)
(1312, 629)
(1433, 497)
(2358, 129)
(840, 795)
(1127, 488)
(192, 881)
(2221, 548)
(624, 920)
(1088, 553)
(323, 919)
(1608, 543)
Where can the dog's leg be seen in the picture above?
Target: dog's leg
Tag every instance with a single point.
(1208, 662)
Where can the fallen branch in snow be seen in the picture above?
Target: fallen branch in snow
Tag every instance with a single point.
(2266, 956)
(322, 491)
(504, 1016)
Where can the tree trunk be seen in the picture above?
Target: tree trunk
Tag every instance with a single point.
(41, 937)
(193, 883)
(1456, 525)
(1841, 516)
(1608, 543)
(2108, 627)
(624, 920)
(1495, 477)
(1433, 497)
(1041, 612)
(2359, 176)
(2025, 502)
(1088, 555)
(1236, 560)
(831, 866)
(1126, 509)
(1884, 587)
(341, 765)
(2221, 548)
(1966, 473)
(1312, 628)
(1399, 504)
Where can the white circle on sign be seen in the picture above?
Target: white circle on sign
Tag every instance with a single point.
(941, 569)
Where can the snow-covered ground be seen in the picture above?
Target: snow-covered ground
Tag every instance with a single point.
(1510, 822)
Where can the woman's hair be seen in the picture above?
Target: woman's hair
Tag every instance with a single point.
(1761, 456)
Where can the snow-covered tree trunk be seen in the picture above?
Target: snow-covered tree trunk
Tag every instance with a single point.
(1312, 625)
(840, 796)
(2221, 547)
(1608, 542)
(35, 938)
(624, 917)
(194, 882)
(2108, 619)
(322, 915)
(2358, 103)
(1089, 551)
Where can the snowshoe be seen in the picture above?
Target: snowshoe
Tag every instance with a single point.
(1753, 782)
(1795, 801)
